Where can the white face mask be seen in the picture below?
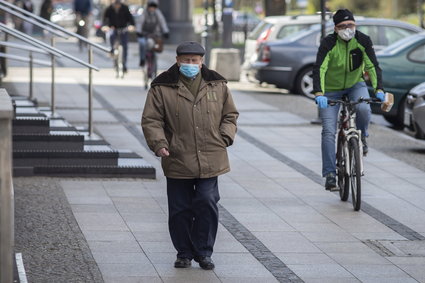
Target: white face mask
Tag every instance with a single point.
(347, 34)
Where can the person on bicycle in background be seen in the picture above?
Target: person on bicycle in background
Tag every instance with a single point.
(342, 59)
(152, 24)
(118, 16)
(82, 9)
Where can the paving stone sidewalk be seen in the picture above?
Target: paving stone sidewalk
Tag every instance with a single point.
(277, 221)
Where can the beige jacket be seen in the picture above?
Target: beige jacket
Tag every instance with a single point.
(196, 131)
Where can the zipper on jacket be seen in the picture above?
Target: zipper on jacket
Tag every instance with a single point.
(346, 63)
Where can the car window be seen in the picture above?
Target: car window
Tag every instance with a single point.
(393, 34)
(418, 54)
(372, 32)
(259, 30)
(290, 29)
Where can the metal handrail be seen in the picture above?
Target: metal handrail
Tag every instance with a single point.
(34, 22)
(48, 48)
(48, 23)
(23, 47)
(25, 59)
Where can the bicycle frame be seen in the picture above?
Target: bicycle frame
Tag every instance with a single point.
(348, 130)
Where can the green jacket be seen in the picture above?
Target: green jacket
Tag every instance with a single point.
(341, 64)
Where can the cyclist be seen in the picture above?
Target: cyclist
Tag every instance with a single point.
(152, 24)
(118, 16)
(342, 59)
(82, 10)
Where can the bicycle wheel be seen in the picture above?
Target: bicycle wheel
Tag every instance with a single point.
(120, 65)
(343, 177)
(355, 173)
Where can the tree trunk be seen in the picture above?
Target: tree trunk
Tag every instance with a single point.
(275, 7)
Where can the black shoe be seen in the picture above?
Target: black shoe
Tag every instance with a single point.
(124, 69)
(330, 184)
(365, 148)
(142, 63)
(205, 262)
(182, 262)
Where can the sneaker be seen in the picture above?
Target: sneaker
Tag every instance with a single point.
(330, 184)
(182, 262)
(125, 69)
(205, 262)
(365, 148)
(142, 63)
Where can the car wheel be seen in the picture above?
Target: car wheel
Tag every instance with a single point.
(419, 134)
(398, 119)
(304, 82)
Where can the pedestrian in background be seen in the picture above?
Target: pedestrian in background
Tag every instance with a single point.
(189, 120)
(29, 7)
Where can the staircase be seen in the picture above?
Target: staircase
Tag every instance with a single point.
(47, 145)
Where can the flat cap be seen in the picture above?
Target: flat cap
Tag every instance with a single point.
(190, 47)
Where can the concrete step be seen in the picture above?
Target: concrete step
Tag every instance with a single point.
(50, 141)
(30, 124)
(31, 158)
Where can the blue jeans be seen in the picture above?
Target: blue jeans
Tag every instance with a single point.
(142, 47)
(124, 42)
(329, 118)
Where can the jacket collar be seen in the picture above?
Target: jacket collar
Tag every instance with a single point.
(171, 76)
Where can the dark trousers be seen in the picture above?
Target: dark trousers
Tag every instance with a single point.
(193, 215)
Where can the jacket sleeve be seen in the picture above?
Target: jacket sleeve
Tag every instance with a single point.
(229, 114)
(130, 19)
(321, 66)
(162, 22)
(371, 64)
(153, 120)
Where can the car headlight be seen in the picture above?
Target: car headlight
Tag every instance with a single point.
(418, 90)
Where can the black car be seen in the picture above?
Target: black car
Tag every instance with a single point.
(288, 63)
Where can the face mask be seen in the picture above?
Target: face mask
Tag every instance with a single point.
(189, 70)
(347, 34)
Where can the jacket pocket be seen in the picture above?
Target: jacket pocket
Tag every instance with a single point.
(356, 59)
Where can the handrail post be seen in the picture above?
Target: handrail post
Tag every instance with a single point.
(90, 91)
(53, 78)
(31, 75)
(7, 225)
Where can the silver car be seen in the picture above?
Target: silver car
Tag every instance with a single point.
(414, 112)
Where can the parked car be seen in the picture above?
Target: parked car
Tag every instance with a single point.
(414, 111)
(274, 28)
(242, 19)
(403, 67)
(288, 63)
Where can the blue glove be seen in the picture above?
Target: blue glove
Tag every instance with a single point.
(380, 95)
(322, 101)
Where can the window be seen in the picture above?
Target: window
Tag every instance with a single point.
(372, 32)
(393, 34)
(290, 29)
(418, 54)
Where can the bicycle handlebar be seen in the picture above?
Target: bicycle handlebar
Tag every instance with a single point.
(352, 103)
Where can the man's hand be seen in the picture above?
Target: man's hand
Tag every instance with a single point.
(380, 95)
(166, 35)
(105, 29)
(162, 152)
(322, 101)
(130, 28)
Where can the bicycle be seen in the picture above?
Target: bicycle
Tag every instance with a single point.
(150, 71)
(349, 153)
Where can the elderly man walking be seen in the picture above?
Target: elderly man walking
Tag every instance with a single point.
(189, 120)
